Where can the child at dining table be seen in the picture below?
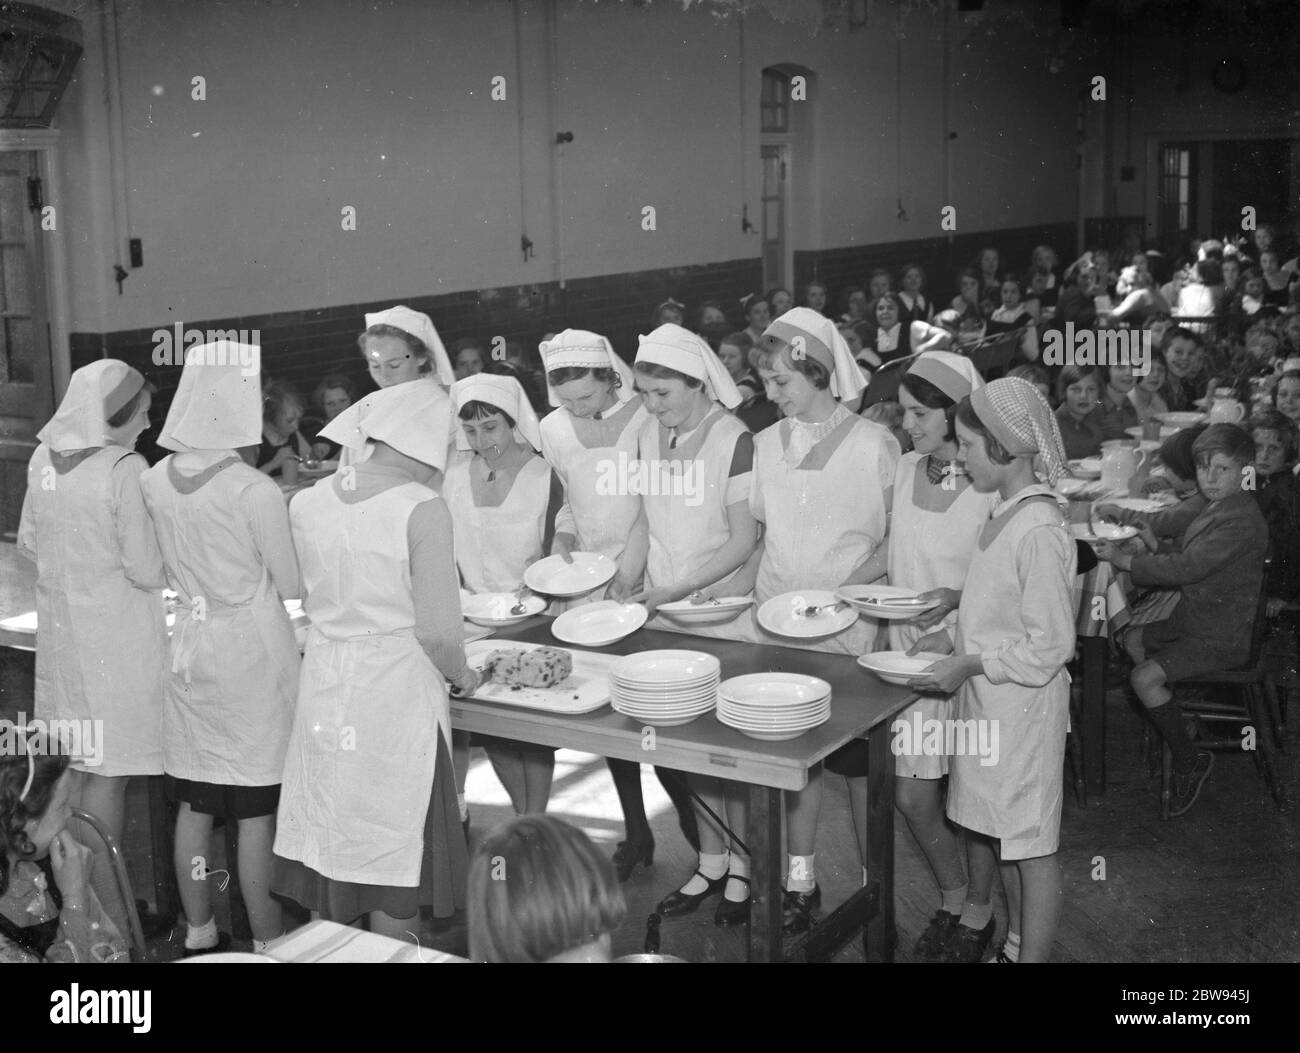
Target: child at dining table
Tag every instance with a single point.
(1219, 570)
(1081, 416)
(1015, 633)
(49, 908)
(540, 891)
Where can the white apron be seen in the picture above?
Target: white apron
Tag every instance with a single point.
(592, 458)
(494, 546)
(233, 674)
(1018, 611)
(822, 517)
(360, 767)
(929, 549)
(100, 641)
(688, 514)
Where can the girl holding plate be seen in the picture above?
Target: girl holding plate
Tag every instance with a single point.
(592, 442)
(822, 486)
(503, 499)
(700, 531)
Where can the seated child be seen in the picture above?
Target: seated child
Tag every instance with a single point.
(1037, 376)
(1278, 492)
(48, 906)
(1219, 570)
(1083, 422)
(540, 891)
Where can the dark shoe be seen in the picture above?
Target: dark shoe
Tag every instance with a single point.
(629, 854)
(730, 913)
(1187, 785)
(929, 948)
(967, 944)
(799, 907)
(1000, 959)
(222, 945)
(464, 825)
(675, 904)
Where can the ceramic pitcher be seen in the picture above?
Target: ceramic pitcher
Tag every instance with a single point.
(1225, 409)
(1119, 461)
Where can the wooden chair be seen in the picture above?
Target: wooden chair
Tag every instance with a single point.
(1254, 709)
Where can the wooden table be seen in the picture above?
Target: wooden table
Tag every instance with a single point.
(862, 703)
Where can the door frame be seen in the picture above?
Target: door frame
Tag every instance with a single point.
(785, 278)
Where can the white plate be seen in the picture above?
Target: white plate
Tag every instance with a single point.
(779, 615)
(780, 716)
(670, 668)
(1087, 468)
(1139, 504)
(898, 667)
(1069, 486)
(656, 688)
(553, 577)
(1166, 430)
(493, 608)
(723, 609)
(777, 735)
(776, 721)
(774, 689)
(598, 624)
(1102, 531)
(1179, 420)
(862, 597)
(326, 468)
(225, 957)
(663, 720)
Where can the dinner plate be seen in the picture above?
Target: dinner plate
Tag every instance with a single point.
(325, 468)
(598, 624)
(669, 667)
(1068, 486)
(1102, 531)
(1139, 504)
(899, 667)
(902, 603)
(781, 615)
(1180, 419)
(776, 734)
(1086, 468)
(493, 608)
(774, 689)
(553, 577)
(224, 957)
(1166, 430)
(759, 715)
(715, 612)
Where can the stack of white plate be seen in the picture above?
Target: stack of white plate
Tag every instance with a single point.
(665, 688)
(774, 706)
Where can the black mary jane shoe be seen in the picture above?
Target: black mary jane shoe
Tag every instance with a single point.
(730, 913)
(930, 947)
(629, 854)
(675, 904)
(222, 945)
(798, 910)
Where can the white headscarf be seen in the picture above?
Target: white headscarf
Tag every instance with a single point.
(820, 340)
(955, 375)
(413, 419)
(506, 394)
(218, 405)
(95, 392)
(421, 327)
(676, 348)
(580, 349)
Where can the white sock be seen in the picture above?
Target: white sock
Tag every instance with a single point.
(1012, 947)
(976, 915)
(200, 937)
(801, 875)
(954, 899)
(737, 891)
(463, 805)
(712, 866)
(260, 946)
(864, 877)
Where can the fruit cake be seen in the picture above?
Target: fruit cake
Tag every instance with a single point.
(538, 667)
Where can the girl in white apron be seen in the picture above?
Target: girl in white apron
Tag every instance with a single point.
(367, 821)
(101, 629)
(224, 535)
(823, 480)
(503, 500)
(591, 442)
(936, 520)
(696, 459)
(1015, 632)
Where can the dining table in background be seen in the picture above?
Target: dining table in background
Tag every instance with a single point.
(861, 707)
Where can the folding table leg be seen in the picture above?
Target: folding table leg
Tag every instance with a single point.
(880, 932)
(765, 860)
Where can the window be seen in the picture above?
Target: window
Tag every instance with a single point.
(1177, 181)
(774, 104)
(37, 57)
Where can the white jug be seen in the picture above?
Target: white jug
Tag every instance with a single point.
(1224, 409)
(1119, 461)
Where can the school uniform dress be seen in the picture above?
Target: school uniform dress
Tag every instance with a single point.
(1083, 438)
(930, 547)
(101, 628)
(368, 817)
(266, 452)
(496, 544)
(913, 310)
(233, 676)
(1018, 613)
(688, 521)
(819, 490)
(1116, 420)
(586, 454)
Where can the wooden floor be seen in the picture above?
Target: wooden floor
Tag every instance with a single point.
(1218, 885)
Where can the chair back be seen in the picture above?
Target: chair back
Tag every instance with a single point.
(1259, 630)
(126, 905)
